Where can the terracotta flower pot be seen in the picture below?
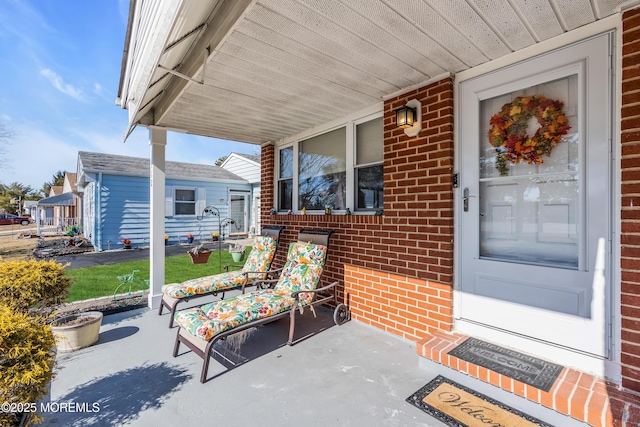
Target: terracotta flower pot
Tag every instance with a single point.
(201, 258)
(76, 331)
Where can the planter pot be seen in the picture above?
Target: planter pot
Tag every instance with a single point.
(127, 246)
(201, 258)
(77, 330)
(166, 242)
(189, 239)
(237, 256)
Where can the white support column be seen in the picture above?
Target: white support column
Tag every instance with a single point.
(158, 143)
(38, 214)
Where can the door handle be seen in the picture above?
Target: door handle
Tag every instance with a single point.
(465, 199)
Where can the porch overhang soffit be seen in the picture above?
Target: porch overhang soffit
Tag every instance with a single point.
(262, 70)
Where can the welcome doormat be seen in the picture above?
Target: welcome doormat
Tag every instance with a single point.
(524, 368)
(459, 406)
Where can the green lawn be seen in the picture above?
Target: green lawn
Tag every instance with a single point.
(102, 280)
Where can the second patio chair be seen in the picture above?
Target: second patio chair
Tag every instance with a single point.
(201, 327)
(256, 267)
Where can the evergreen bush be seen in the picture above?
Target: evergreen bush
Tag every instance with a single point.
(27, 358)
(32, 285)
(29, 292)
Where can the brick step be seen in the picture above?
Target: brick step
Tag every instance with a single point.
(576, 394)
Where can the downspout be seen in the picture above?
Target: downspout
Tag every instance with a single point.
(98, 215)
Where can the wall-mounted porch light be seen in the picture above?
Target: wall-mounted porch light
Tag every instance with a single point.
(409, 116)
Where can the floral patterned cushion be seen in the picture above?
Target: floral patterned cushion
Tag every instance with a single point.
(203, 285)
(259, 260)
(230, 313)
(306, 253)
(261, 255)
(210, 319)
(299, 277)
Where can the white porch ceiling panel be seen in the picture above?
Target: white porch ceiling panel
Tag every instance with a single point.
(283, 66)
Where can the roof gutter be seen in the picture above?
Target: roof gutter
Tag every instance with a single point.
(153, 44)
(125, 51)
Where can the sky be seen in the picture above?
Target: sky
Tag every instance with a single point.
(60, 69)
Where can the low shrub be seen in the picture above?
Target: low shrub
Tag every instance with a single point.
(27, 358)
(29, 292)
(29, 285)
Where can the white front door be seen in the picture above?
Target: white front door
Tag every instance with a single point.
(535, 238)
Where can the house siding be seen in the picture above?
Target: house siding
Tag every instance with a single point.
(243, 168)
(630, 202)
(124, 211)
(396, 270)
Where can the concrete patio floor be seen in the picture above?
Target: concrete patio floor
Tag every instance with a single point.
(349, 375)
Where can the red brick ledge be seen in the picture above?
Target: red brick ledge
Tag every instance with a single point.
(576, 394)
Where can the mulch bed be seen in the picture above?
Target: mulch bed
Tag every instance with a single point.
(49, 248)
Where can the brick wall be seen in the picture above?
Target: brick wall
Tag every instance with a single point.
(630, 190)
(395, 271)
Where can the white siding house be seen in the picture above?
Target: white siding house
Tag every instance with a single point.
(247, 166)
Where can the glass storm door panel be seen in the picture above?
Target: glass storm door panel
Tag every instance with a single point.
(535, 230)
(238, 210)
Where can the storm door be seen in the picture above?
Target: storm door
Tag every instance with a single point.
(535, 198)
(239, 212)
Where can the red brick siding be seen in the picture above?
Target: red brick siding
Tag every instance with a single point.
(630, 191)
(411, 246)
(267, 171)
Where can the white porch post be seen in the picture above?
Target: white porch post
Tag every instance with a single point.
(158, 143)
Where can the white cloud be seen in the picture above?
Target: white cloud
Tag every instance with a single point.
(99, 90)
(59, 84)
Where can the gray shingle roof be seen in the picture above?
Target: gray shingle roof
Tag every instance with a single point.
(138, 166)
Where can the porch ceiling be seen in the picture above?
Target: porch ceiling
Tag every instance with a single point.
(279, 67)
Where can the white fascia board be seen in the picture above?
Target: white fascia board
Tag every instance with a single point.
(143, 61)
(179, 178)
(219, 181)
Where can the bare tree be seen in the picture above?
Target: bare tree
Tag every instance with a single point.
(6, 136)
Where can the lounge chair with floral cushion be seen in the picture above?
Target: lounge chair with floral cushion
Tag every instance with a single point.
(257, 266)
(201, 327)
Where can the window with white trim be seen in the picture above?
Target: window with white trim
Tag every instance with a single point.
(285, 179)
(341, 168)
(322, 171)
(184, 200)
(369, 159)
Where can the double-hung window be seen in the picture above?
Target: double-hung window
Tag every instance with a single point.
(369, 159)
(185, 201)
(285, 179)
(341, 168)
(322, 171)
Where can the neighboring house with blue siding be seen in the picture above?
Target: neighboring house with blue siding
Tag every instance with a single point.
(246, 166)
(116, 193)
